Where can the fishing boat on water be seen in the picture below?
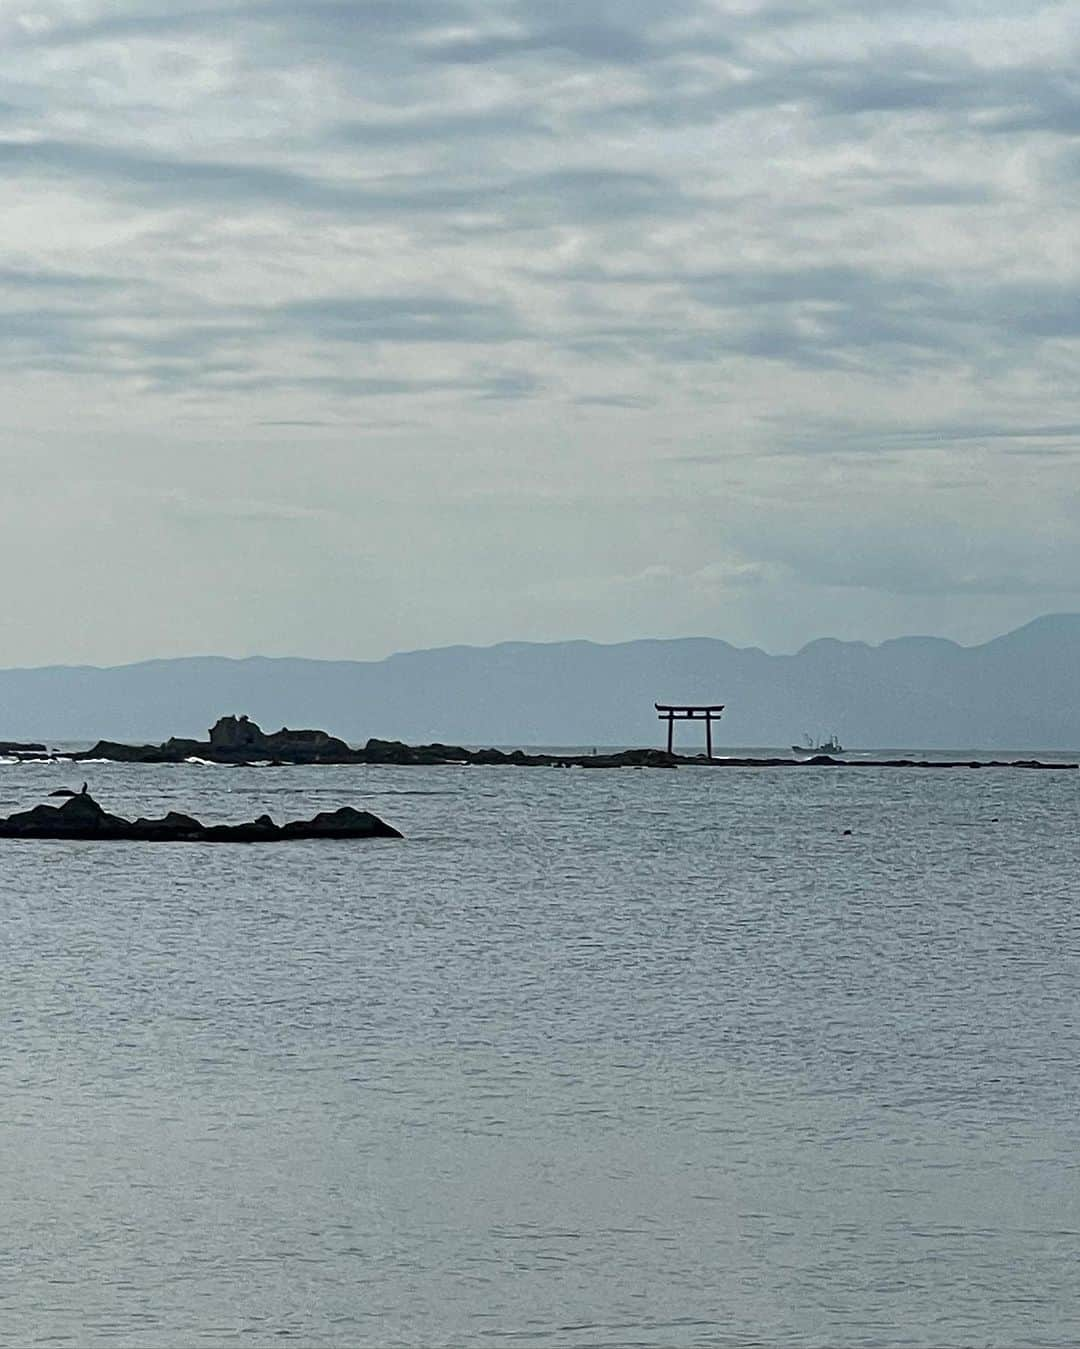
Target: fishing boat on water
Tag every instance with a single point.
(830, 746)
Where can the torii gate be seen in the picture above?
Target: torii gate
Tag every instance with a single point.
(691, 712)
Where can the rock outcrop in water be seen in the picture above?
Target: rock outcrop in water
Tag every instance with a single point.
(81, 817)
(233, 740)
(239, 741)
(13, 747)
(240, 737)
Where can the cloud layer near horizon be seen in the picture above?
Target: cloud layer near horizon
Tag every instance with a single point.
(337, 328)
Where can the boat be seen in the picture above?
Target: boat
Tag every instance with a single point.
(830, 746)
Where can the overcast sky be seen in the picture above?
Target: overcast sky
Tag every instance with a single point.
(354, 326)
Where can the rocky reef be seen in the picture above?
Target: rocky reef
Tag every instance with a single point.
(232, 740)
(397, 752)
(239, 740)
(81, 817)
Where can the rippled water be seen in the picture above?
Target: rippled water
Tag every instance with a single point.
(613, 1058)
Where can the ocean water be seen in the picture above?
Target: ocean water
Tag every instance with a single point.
(634, 1058)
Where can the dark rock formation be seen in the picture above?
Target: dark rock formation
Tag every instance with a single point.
(238, 737)
(8, 747)
(238, 740)
(117, 753)
(233, 740)
(396, 752)
(80, 817)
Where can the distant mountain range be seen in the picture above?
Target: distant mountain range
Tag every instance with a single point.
(1018, 691)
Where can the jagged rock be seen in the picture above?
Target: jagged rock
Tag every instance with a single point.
(233, 740)
(239, 736)
(81, 817)
(343, 823)
(229, 734)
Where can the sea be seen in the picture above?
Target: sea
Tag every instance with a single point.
(703, 1056)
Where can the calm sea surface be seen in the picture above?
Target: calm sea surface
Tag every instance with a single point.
(617, 1058)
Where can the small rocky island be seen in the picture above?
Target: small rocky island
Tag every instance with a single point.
(232, 740)
(238, 740)
(81, 817)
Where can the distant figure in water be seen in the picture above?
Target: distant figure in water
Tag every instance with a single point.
(83, 792)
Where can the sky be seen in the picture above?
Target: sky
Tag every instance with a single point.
(353, 326)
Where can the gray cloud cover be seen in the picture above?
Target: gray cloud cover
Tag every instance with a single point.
(535, 319)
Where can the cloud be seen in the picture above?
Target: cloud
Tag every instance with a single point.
(37, 283)
(587, 42)
(163, 180)
(603, 33)
(332, 20)
(500, 122)
(241, 511)
(401, 318)
(936, 556)
(571, 195)
(711, 279)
